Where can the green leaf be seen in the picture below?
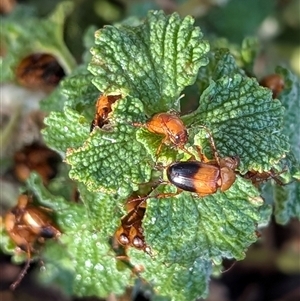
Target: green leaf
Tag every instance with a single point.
(244, 120)
(152, 62)
(211, 227)
(21, 38)
(66, 129)
(97, 204)
(55, 101)
(287, 202)
(83, 255)
(265, 215)
(244, 54)
(152, 142)
(286, 198)
(75, 92)
(80, 91)
(149, 65)
(221, 63)
(176, 280)
(290, 98)
(249, 50)
(111, 159)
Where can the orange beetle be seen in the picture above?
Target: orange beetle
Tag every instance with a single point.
(36, 157)
(39, 71)
(274, 82)
(170, 126)
(28, 226)
(258, 178)
(103, 108)
(130, 232)
(203, 178)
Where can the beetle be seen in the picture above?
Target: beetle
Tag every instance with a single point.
(28, 225)
(168, 125)
(274, 82)
(130, 232)
(103, 108)
(36, 157)
(171, 126)
(258, 178)
(39, 71)
(203, 178)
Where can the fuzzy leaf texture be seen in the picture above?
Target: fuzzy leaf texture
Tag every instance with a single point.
(82, 263)
(287, 198)
(221, 63)
(211, 227)
(152, 62)
(175, 280)
(83, 255)
(244, 121)
(112, 160)
(149, 65)
(244, 53)
(65, 129)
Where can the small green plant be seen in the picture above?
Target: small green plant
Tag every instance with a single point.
(151, 63)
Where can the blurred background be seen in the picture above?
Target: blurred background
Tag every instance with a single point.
(271, 270)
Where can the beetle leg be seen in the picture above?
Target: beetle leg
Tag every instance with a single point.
(212, 143)
(138, 124)
(192, 158)
(159, 149)
(135, 269)
(202, 157)
(23, 271)
(167, 194)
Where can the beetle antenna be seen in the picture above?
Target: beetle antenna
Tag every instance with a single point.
(229, 268)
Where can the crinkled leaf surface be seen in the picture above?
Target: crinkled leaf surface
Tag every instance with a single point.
(244, 54)
(287, 198)
(221, 63)
(65, 129)
(152, 62)
(149, 65)
(55, 101)
(21, 38)
(152, 142)
(71, 109)
(80, 91)
(75, 91)
(211, 227)
(244, 120)
(287, 202)
(112, 160)
(83, 253)
(176, 280)
(290, 98)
